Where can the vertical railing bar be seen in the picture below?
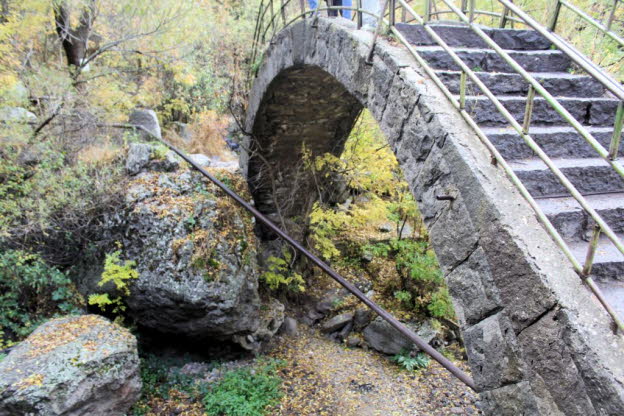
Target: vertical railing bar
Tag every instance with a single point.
(553, 21)
(358, 4)
(462, 90)
(612, 15)
(272, 21)
(392, 17)
(591, 252)
(369, 58)
(427, 16)
(315, 14)
(302, 7)
(528, 111)
(503, 20)
(614, 148)
(403, 14)
(464, 6)
(283, 10)
(472, 11)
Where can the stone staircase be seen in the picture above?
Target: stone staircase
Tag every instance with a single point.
(581, 95)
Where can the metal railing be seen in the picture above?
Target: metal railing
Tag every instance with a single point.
(385, 315)
(604, 27)
(510, 12)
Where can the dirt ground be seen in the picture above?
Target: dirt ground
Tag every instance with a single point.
(325, 378)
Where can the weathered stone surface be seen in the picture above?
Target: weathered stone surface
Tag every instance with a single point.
(384, 338)
(494, 357)
(200, 159)
(271, 320)
(147, 119)
(289, 327)
(141, 156)
(79, 365)
(138, 157)
(16, 114)
(191, 280)
(473, 290)
(485, 235)
(196, 258)
(361, 318)
(336, 323)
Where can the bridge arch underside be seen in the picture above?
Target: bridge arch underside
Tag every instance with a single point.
(537, 342)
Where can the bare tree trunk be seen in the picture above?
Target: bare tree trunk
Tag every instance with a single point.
(74, 41)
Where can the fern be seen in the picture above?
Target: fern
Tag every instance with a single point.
(411, 363)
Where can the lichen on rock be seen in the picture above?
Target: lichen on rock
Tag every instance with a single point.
(76, 365)
(195, 252)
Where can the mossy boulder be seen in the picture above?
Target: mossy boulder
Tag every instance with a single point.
(77, 365)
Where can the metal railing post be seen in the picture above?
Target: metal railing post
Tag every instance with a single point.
(553, 20)
(272, 21)
(528, 111)
(302, 7)
(358, 4)
(427, 16)
(462, 90)
(283, 10)
(503, 19)
(369, 58)
(392, 16)
(614, 148)
(591, 252)
(472, 11)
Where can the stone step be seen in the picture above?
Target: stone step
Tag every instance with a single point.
(560, 84)
(588, 111)
(574, 224)
(486, 60)
(462, 36)
(556, 141)
(589, 176)
(613, 292)
(608, 263)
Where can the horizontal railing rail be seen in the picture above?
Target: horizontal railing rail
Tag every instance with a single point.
(605, 28)
(523, 131)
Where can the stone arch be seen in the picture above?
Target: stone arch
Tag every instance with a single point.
(537, 341)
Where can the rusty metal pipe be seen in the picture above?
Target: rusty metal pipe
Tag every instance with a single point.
(405, 331)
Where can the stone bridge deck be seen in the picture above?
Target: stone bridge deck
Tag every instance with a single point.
(538, 342)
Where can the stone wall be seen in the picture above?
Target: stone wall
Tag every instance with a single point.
(538, 343)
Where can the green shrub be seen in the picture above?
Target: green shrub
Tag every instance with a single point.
(30, 292)
(403, 296)
(441, 305)
(280, 275)
(119, 273)
(245, 392)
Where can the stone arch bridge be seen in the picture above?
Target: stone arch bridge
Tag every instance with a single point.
(538, 342)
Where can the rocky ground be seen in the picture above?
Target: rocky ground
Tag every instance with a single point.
(323, 377)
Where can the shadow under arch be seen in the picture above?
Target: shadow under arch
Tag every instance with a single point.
(536, 340)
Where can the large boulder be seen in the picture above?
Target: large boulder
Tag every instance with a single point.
(145, 156)
(195, 253)
(78, 365)
(383, 337)
(148, 120)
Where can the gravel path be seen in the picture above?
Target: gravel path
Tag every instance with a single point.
(326, 378)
